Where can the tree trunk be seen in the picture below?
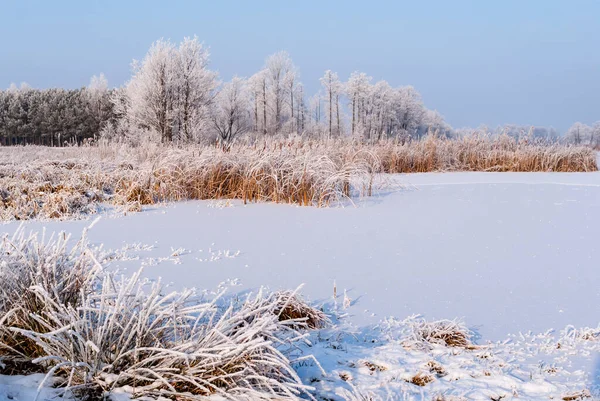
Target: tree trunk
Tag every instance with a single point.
(337, 111)
(265, 107)
(330, 108)
(256, 112)
(353, 113)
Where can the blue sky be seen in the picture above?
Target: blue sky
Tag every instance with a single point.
(477, 62)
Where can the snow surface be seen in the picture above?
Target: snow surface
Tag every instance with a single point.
(505, 252)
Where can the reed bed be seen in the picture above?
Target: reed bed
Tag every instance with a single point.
(484, 153)
(56, 183)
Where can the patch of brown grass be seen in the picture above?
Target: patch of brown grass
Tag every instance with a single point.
(436, 369)
(290, 307)
(448, 333)
(578, 395)
(422, 379)
(483, 153)
(373, 367)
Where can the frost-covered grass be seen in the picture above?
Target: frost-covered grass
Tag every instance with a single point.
(30, 266)
(50, 183)
(382, 363)
(92, 331)
(484, 153)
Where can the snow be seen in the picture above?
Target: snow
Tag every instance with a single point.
(508, 253)
(25, 388)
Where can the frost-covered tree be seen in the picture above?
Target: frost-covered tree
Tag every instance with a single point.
(291, 89)
(100, 106)
(231, 114)
(171, 90)
(277, 97)
(315, 126)
(257, 85)
(171, 96)
(280, 74)
(357, 90)
(595, 135)
(409, 111)
(52, 116)
(332, 87)
(578, 134)
(433, 123)
(300, 108)
(150, 93)
(194, 89)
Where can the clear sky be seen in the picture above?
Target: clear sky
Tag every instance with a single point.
(477, 62)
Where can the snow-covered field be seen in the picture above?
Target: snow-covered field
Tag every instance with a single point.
(507, 253)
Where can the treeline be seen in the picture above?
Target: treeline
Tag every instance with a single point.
(173, 96)
(54, 117)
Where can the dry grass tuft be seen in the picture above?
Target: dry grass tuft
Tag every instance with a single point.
(446, 332)
(578, 395)
(422, 379)
(345, 376)
(93, 331)
(26, 263)
(289, 307)
(449, 333)
(571, 334)
(437, 369)
(373, 367)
